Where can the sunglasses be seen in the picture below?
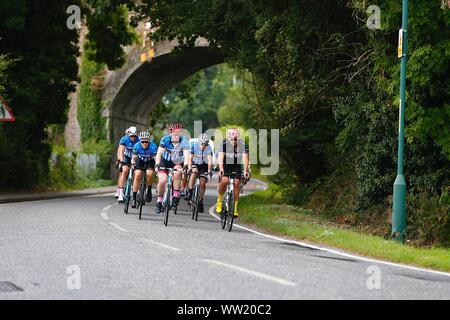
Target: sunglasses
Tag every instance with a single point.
(145, 141)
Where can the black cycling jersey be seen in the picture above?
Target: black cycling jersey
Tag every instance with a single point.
(233, 154)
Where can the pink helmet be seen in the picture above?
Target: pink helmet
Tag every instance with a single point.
(175, 127)
(233, 134)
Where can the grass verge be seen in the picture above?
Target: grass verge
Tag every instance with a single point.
(266, 210)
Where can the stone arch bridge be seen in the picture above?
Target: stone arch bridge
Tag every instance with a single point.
(131, 92)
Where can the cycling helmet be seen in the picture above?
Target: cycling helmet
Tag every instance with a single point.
(133, 131)
(174, 127)
(127, 132)
(203, 138)
(233, 134)
(145, 135)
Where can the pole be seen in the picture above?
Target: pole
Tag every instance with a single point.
(399, 199)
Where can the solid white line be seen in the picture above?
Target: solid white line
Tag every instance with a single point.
(161, 244)
(392, 264)
(104, 215)
(253, 273)
(109, 207)
(118, 227)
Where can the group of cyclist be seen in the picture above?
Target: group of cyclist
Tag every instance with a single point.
(137, 150)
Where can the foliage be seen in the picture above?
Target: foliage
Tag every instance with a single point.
(104, 150)
(38, 84)
(90, 107)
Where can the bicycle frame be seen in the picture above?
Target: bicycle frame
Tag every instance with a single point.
(167, 200)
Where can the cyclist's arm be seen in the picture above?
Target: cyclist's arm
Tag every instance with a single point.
(245, 157)
(120, 152)
(158, 155)
(220, 160)
(187, 156)
(209, 158)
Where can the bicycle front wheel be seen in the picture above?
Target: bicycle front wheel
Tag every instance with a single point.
(167, 206)
(224, 213)
(230, 212)
(197, 200)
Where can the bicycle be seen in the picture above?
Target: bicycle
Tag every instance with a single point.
(227, 214)
(195, 199)
(168, 194)
(127, 191)
(142, 193)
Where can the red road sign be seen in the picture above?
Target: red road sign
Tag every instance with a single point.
(5, 112)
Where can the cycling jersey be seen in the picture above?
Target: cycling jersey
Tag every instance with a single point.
(145, 154)
(200, 156)
(129, 145)
(174, 153)
(233, 154)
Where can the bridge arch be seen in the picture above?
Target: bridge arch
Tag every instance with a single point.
(138, 87)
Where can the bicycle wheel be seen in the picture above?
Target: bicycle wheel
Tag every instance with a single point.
(192, 201)
(230, 212)
(141, 199)
(224, 214)
(167, 205)
(126, 198)
(197, 200)
(127, 192)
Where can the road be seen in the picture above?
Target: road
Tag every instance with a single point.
(87, 248)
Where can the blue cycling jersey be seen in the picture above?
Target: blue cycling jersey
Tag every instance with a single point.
(145, 154)
(171, 152)
(200, 156)
(129, 145)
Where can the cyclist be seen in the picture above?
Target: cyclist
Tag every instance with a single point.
(124, 153)
(232, 157)
(119, 165)
(173, 152)
(143, 160)
(200, 163)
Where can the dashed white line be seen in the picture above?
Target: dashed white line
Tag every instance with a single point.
(306, 245)
(252, 273)
(118, 227)
(161, 244)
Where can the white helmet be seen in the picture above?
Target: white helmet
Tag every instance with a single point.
(203, 138)
(133, 131)
(145, 135)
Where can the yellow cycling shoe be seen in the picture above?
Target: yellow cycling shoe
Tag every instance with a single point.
(236, 214)
(219, 207)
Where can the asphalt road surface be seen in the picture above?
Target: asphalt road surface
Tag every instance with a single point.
(87, 248)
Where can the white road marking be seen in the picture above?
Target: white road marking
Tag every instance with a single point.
(104, 215)
(253, 273)
(392, 264)
(118, 227)
(99, 195)
(109, 207)
(161, 244)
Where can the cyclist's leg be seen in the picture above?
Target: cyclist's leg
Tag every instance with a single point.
(123, 177)
(176, 184)
(192, 181)
(237, 184)
(162, 181)
(150, 174)
(221, 190)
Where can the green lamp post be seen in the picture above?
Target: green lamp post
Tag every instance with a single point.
(399, 199)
